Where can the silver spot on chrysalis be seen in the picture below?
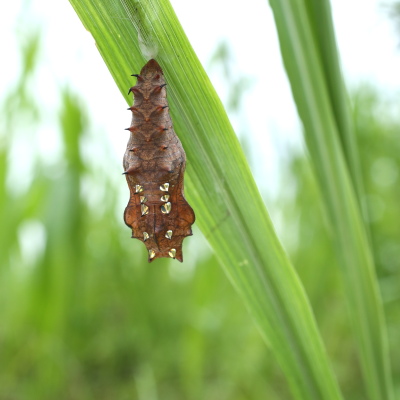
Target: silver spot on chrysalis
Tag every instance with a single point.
(138, 188)
(145, 209)
(172, 253)
(166, 208)
(164, 187)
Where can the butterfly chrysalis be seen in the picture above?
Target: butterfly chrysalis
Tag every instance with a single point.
(154, 164)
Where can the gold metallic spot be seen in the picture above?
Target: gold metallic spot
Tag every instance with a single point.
(166, 208)
(145, 209)
(165, 197)
(152, 254)
(172, 253)
(168, 235)
(164, 187)
(143, 199)
(138, 188)
(145, 236)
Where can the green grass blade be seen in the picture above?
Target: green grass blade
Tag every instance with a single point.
(220, 187)
(322, 121)
(320, 19)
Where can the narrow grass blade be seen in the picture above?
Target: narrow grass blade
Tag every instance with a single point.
(321, 24)
(322, 107)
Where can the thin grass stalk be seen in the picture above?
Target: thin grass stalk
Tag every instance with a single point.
(312, 90)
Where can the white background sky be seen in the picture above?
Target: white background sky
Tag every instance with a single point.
(366, 37)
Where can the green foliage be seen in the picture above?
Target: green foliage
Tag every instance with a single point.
(221, 189)
(312, 251)
(83, 314)
(311, 61)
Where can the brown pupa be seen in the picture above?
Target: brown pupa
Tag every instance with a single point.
(154, 164)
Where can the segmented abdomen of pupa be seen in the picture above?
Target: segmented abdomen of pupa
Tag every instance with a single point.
(154, 164)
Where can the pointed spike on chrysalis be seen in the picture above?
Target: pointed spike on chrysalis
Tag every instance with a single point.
(157, 89)
(160, 109)
(129, 171)
(135, 90)
(166, 167)
(132, 129)
(137, 76)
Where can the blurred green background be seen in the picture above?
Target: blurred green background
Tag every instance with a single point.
(84, 316)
